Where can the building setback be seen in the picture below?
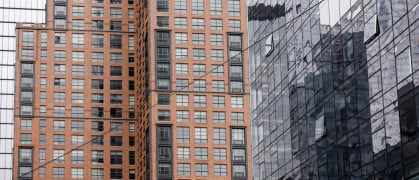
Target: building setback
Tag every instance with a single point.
(334, 89)
(76, 93)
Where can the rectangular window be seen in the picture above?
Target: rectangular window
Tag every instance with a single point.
(115, 41)
(182, 69)
(183, 153)
(236, 102)
(200, 101)
(97, 173)
(217, 70)
(217, 55)
(201, 153)
(27, 38)
(77, 111)
(59, 139)
(198, 54)
(219, 117)
(162, 99)
(216, 24)
(25, 138)
(201, 169)
(97, 57)
(198, 39)
(77, 173)
(237, 136)
(59, 125)
(116, 157)
(59, 55)
(97, 98)
(116, 84)
(184, 169)
(116, 140)
(115, 26)
(97, 112)
(78, 40)
(77, 70)
(116, 71)
(237, 117)
(77, 140)
(181, 38)
(180, 6)
(77, 56)
(219, 135)
(216, 39)
(182, 116)
(162, 5)
(42, 154)
(234, 25)
(216, 7)
(197, 6)
(26, 124)
(198, 23)
(201, 136)
(200, 116)
(97, 126)
(182, 85)
(59, 69)
(97, 40)
(77, 126)
(199, 69)
(59, 97)
(44, 39)
(115, 58)
(42, 96)
(131, 27)
(97, 11)
(59, 39)
(116, 13)
(181, 23)
(182, 100)
(182, 135)
(97, 25)
(131, 42)
(77, 83)
(162, 21)
(220, 170)
(220, 154)
(218, 101)
(58, 172)
(97, 84)
(116, 127)
(78, 11)
(116, 112)
(233, 7)
(97, 157)
(163, 69)
(130, 13)
(78, 24)
(199, 85)
(163, 115)
(60, 23)
(181, 53)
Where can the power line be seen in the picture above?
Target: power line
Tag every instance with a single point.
(200, 77)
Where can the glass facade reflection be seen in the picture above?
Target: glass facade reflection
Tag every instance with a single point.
(11, 12)
(334, 87)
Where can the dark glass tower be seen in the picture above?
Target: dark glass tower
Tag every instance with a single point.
(334, 89)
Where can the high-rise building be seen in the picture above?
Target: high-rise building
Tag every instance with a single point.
(334, 89)
(198, 88)
(10, 13)
(76, 92)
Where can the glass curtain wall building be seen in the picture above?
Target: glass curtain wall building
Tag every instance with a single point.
(334, 88)
(11, 12)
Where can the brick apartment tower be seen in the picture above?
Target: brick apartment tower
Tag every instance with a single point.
(124, 89)
(198, 88)
(76, 92)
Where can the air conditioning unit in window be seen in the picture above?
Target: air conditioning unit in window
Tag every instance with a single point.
(239, 174)
(236, 90)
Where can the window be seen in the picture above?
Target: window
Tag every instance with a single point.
(198, 54)
(77, 111)
(239, 170)
(116, 85)
(59, 55)
(116, 127)
(77, 70)
(97, 84)
(131, 71)
(97, 174)
(42, 124)
(97, 141)
(181, 53)
(97, 57)
(131, 174)
(78, 40)
(163, 84)
(42, 110)
(77, 173)
(27, 38)
(116, 1)
(42, 96)
(164, 168)
(200, 101)
(163, 115)
(130, 13)
(116, 41)
(236, 72)
(131, 27)
(43, 68)
(216, 24)
(77, 56)
(27, 53)
(220, 154)
(78, 11)
(59, 69)
(162, 99)
(77, 83)
(162, 5)
(115, 58)
(25, 138)
(238, 154)
(58, 156)
(43, 54)
(97, 25)
(201, 135)
(198, 39)
(59, 139)
(199, 69)
(182, 100)
(60, 23)
(237, 117)
(97, 40)
(132, 141)
(77, 126)
(183, 153)
(216, 39)
(115, 26)
(116, 140)
(199, 85)
(42, 139)
(97, 157)
(234, 25)
(234, 41)
(59, 39)
(236, 86)
(180, 6)
(181, 69)
(217, 55)
(58, 172)
(219, 117)
(182, 85)
(116, 71)
(218, 71)
(201, 153)
(218, 101)
(236, 102)
(77, 140)
(403, 65)
(182, 116)
(216, 7)
(131, 159)
(164, 134)
(59, 125)
(44, 39)
(77, 157)
(197, 23)
(200, 116)
(181, 38)
(97, 126)
(219, 136)
(26, 124)
(97, 11)
(163, 69)
(78, 24)
(237, 136)
(220, 170)
(197, 6)
(162, 21)
(116, 174)
(181, 23)
(97, 112)
(116, 13)
(131, 127)
(201, 169)
(182, 135)
(131, 42)
(116, 157)
(42, 155)
(184, 169)
(233, 7)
